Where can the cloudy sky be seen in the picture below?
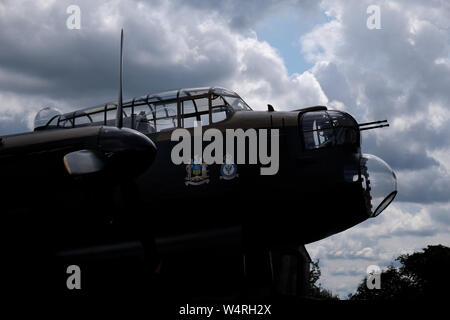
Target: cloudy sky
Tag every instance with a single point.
(291, 54)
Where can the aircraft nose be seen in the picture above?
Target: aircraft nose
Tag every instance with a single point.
(379, 184)
(129, 150)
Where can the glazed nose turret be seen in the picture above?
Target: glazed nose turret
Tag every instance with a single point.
(379, 184)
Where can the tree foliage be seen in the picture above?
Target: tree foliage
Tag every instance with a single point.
(316, 290)
(422, 275)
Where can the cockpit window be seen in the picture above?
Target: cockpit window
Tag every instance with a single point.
(237, 103)
(195, 110)
(317, 130)
(345, 127)
(328, 128)
(217, 101)
(46, 117)
(222, 107)
(166, 116)
(65, 123)
(83, 120)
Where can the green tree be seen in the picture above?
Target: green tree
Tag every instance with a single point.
(422, 275)
(316, 290)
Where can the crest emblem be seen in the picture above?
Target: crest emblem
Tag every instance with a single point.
(228, 170)
(196, 174)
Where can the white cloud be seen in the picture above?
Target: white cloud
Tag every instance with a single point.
(262, 78)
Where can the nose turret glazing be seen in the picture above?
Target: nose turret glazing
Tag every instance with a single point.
(379, 184)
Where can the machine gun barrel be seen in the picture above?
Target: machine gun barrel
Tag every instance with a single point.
(370, 123)
(374, 127)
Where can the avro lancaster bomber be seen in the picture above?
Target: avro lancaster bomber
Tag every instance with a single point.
(99, 185)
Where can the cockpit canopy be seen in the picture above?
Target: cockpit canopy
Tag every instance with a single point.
(45, 116)
(158, 112)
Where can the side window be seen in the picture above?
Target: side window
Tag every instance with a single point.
(202, 104)
(82, 120)
(189, 114)
(317, 130)
(66, 123)
(205, 119)
(144, 121)
(111, 117)
(53, 122)
(219, 114)
(166, 116)
(346, 129)
(220, 109)
(195, 110)
(98, 117)
(237, 103)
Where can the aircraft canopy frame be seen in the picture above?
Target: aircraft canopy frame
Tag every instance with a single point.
(160, 111)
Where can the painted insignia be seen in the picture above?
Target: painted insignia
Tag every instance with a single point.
(196, 174)
(228, 170)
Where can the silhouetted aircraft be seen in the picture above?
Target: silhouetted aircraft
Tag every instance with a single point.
(98, 184)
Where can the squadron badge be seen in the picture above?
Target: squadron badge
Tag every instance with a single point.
(196, 174)
(228, 170)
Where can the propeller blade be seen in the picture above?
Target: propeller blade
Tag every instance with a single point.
(119, 116)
